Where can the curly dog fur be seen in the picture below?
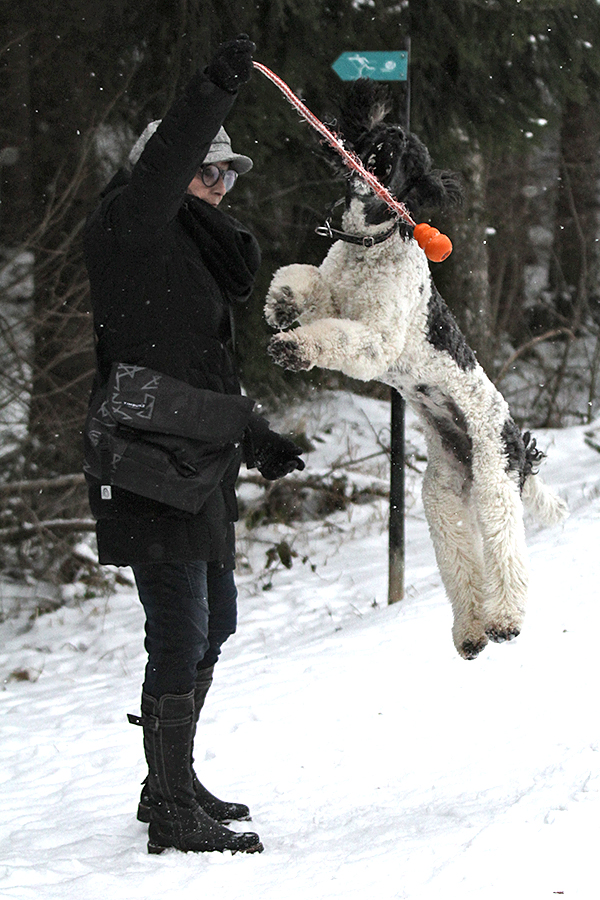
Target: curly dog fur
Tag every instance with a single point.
(373, 312)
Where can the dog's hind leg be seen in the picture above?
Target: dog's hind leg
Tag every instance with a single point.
(500, 516)
(457, 543)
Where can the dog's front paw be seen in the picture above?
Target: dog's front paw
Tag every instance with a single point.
(285, 350)
(282, 308)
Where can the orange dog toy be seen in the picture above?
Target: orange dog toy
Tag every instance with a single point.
(437, 246)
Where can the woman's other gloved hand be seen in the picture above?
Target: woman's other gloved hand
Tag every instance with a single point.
(271, 453)
(231, 65)
(278, 457)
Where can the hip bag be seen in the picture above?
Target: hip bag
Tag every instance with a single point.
(161, 438)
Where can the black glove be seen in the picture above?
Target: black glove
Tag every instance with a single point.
(278, 457)
(231, 65)
(273, 455)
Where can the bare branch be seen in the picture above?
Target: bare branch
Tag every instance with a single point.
(556, 332)
(63, 526)
(41, 484)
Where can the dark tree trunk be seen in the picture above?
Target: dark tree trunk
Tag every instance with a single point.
(509, 244)
(464, 277)
(16, 182)
(573, 277)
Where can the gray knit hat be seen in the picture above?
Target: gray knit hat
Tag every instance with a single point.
(220, 150)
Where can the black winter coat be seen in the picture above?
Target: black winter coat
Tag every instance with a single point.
(164, 270)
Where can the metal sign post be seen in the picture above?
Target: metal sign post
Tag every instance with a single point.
(388, 66)
(396, 563)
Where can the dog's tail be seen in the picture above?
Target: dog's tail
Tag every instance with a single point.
(542, 502)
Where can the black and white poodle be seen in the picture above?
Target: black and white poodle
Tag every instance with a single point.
(372, 311)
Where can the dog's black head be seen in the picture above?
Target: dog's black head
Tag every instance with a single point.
(399, 160)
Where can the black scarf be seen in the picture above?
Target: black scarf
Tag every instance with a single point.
(229, 251)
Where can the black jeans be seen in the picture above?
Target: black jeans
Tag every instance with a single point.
(191, 610)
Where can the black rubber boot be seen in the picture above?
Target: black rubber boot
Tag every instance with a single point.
(219, 810)
(177, 819)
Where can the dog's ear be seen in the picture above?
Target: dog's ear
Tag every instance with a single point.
(439, 189)
(429, 187)
(452, 183)
(416, 161)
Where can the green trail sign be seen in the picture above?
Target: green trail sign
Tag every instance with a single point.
(378, 65)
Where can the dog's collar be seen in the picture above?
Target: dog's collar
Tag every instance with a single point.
(367, 240)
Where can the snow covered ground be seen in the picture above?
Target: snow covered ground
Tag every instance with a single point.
(377, 762)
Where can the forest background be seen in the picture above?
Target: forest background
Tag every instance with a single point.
(505, 91)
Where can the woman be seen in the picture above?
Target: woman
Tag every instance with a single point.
(165, 268)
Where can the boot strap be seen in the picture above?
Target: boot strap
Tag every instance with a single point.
(135, 720)
(154, 723)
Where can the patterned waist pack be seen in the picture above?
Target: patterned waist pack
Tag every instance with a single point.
(161, 438)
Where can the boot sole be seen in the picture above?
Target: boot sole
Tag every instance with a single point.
(156, 849)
